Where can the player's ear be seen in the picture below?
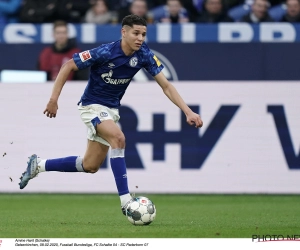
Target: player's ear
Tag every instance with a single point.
(123, 31)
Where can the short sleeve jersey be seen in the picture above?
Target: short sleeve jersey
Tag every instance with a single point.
(111, 71)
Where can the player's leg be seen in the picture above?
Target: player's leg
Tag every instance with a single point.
(71, 163)
(93, 159)
(110, 132)
(94, 156)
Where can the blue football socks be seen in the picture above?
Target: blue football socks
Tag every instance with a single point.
(74, 164)
(66, 164)
(118, 166)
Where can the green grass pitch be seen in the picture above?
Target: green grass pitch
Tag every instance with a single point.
(178, 216)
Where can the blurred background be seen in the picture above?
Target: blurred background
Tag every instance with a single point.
(240, 40)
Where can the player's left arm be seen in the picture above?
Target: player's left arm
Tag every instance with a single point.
(170, 91)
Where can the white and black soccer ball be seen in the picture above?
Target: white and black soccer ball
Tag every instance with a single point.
(141, 211)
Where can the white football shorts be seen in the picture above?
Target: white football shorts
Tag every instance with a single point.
(94, 114)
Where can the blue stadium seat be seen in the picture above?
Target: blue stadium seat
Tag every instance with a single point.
(237, 12)
(161, 11)
(158, 12)
(277, 12)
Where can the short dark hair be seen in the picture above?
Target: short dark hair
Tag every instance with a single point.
(131, 20)
(59, 23)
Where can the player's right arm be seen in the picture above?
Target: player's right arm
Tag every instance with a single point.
(80, 61)
(65, 70)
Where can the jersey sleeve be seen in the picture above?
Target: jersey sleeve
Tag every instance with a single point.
(152, 65)
(88, 58)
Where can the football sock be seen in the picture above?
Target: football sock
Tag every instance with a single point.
(66, 164)
(118, 166)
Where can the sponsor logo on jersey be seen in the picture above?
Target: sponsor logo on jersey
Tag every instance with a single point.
(85, 55)
(157, 61)
(111, 65)
(107, 77)
(133, 61)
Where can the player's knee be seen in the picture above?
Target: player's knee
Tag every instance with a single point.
(93, 171)
(118, 141)
(90, 168)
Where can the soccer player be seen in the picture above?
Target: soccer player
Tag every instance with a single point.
(113, 66)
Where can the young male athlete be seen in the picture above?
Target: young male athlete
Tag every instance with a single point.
(113, 66)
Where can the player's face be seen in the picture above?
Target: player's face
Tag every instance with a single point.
(133, 38)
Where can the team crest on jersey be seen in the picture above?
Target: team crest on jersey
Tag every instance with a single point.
(103, 114)
(133, 61)
(85, 55)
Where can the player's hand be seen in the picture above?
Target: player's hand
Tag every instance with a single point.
(194, 120)
(51, 109)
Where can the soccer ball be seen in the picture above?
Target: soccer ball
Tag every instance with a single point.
(141, 211)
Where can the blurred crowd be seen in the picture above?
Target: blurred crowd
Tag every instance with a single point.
(62, 12)
(154, 11)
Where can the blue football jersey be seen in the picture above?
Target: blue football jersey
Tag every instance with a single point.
(111, 71)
